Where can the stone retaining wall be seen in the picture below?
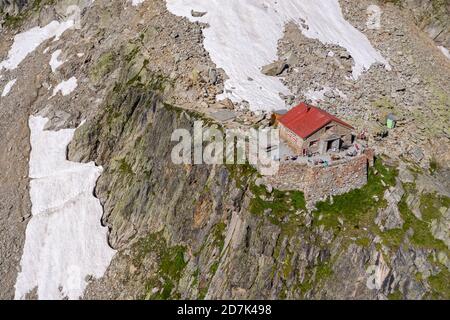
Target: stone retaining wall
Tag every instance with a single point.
(318, 182)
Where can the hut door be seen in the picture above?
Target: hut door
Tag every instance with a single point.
(334, 145)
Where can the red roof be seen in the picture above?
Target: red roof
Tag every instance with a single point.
(305, 120)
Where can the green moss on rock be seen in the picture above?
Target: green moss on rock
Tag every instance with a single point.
(171, 264)
(358, 208)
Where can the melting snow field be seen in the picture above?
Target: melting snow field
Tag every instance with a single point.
(243, 37)
(66, 87)
(26, 42)
(65, 241)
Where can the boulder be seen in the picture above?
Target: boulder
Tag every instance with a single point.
(440, 228)
(274, 69)
(390, 218)
(197, 14)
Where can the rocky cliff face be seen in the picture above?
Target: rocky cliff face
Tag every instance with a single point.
(217, 231)
(12, 6)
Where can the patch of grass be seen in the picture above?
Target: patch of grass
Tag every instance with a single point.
(323, 271)
(195, 276)
(422, 236)
(166, 292)
(430, 205)
(393, 238)
(219, 237)
(440, 285)
(364, 242)
(315, 277)
(171, 264)
(280, 203)
(202, 293)
(214, 268)
(104, 65)
(125, 168)
(358, 207)
(242, 174)
(305, 287)
(298, 200)
(396, 295)
(13, 22)
(434, 165)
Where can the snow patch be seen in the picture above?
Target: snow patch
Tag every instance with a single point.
(66, 87)
(65, 242)
(54, 62)
(243, 37)
(8, 87)
(445, 51)
(316, 95)
(136, 2)
(320, 95)
(26, 42)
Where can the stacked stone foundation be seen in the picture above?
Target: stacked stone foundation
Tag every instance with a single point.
(320, 182)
